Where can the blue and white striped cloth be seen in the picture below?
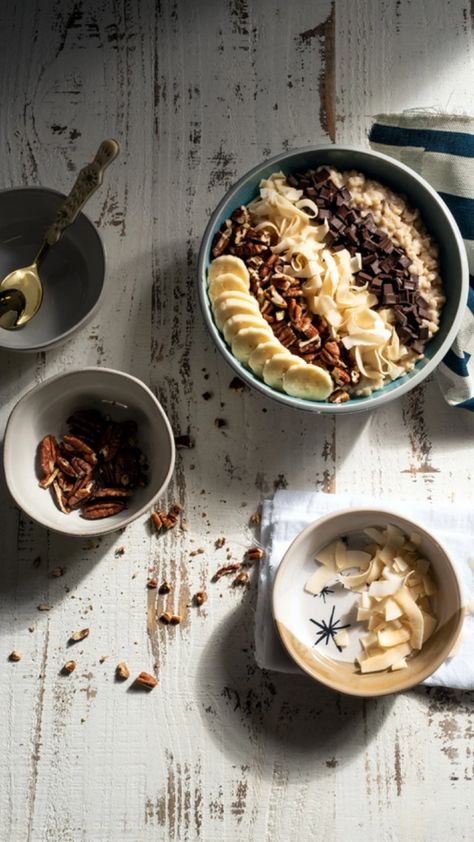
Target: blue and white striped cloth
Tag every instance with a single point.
(440, 147)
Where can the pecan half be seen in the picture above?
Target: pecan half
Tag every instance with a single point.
(226, 570)
(110, 442)
(112, 492)
(331, 354)
(60, 498)
(340, 376)
(47, 455)
(83, 489)
(145, 680)
(94, 511)
(81, 467)
(74, 443)
(66, 467)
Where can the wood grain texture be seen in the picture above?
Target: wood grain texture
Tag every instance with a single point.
(197, 93)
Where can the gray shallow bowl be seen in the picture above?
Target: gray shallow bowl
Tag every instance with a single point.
(440, 224)
(72, 274)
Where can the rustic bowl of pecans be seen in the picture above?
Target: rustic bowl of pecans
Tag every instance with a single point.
(332, 279)
(88, 452)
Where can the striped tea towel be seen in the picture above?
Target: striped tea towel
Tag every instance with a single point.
(440, 147)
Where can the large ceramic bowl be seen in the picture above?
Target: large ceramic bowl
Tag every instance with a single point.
(45, 409)
(295, 611)
(72, 273)
(438, 219)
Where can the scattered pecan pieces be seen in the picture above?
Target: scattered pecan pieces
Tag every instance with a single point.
(165, 617)
(241, 579)
(226, 570)
(69, 667)
(200, 598)
(164, 588)
(44, 606)
(56, 572)
(175, 619)
(220, 423)
(165, 520)
(219, 542)
(79, 635)
(152, 584)
(254, 554)
(145, 680)
(122, 672)
(255, 519)
(15, 656)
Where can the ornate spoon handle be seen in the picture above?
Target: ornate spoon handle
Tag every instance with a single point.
(87, 182)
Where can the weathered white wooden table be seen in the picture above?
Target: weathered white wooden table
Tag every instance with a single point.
(197, 93)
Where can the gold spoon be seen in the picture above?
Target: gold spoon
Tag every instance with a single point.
(21, 292)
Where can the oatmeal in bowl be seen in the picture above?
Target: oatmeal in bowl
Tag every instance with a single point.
(326, 286)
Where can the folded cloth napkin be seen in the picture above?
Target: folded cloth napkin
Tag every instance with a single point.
(290, 511)
(440, 147)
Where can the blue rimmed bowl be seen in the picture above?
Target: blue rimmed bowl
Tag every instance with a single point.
(438, 220)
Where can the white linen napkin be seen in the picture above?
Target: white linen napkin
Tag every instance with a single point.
(284, 516)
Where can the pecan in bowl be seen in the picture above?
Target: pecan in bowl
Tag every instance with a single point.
(106, 452)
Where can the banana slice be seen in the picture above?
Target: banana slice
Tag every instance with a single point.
(247, 339)
(262, 353)
(228, 263)
(226, 283)
(233, 307)
(277, 366)
(224, 296)
(243, 320)
(308, 381)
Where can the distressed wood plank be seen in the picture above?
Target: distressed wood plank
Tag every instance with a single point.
(196, 94)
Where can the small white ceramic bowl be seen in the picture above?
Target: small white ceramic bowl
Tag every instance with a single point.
(45, 410)
(294, 610)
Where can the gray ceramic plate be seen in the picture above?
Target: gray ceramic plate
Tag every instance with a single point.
(438, 219)
(72, 274)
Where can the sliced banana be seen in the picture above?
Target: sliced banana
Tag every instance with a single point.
(262, 353)
(308, 381)
(277, 366)
(224, 296)
(227, 283)
(233, 307)
(228, 263)
(247, 339)
(243, 320)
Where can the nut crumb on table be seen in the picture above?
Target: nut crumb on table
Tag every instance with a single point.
(145, 680)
